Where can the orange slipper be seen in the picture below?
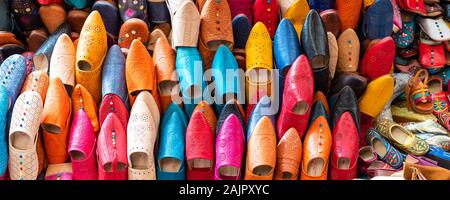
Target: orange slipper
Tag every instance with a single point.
(82, 99)
(52, 16)
(37, 81)
(132, 29)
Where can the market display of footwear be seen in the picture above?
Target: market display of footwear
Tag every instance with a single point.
(224, 89)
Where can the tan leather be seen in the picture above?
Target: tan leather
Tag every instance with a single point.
(148, 99)
(58, 169)
(140, 72)
(316, 147)
(334, 54)
(36, 39)
(429, 172)
(62, 62)
(207, 54)
(82, 99)
(215, 26)
(37, 81)
(349, 47)
(154, 36)
(261, 151)
(164, 58)
(186, 25)
(76, 19)
(132, 29)
(52, 15)
(91, 51)
(56, 122)
(289, 156)
(8, 38)
(209, 114)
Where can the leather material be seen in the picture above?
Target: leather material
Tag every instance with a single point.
(140, 67)
(37, 81)
(214, 34)
(428, 172)
(388, 154)
(345, 101)
(148, 99)
(378, 20)
(112, 150)
(208, 113)
(52, 16)
(90, 55)
(230, 145)
(316, 146)
(3, 132)
(142, 134)
(345, 147)
(349, 13)
(112, 103)
(289, 156)
(366, 156)
(110, 16)
(164, 58)
(158, 12)
(285, 5)
(436, 29)
(376, 95)
(62, 63)
(349, 48)
(356, 82)
(297, 13)
(331, 20)
(414, 6)
(36, 38)
(397, 16)
(319, 108)
(266, 12)
(321, 79)
(83, 141)
(432, 56)
(225, 72)
(9, 38)
(133, 29)
(154, 36)
(321, 5)
(188, 69)
(82, 99)
(186, 25)
(133, 9)
(320, 97)
(231, 108)
(297, 98)
(79, 4)
(286, 46)
(206, 53)
(405, 37)
(113, 74)
(314, 41)
(76, 19)
(241, 7)
(5, 16)
(412, 144)
(378, 58)
(12, 76)
(23, 137)
(199, 145)
(43, 55)
(261, 151)
(241, 30)
(26, 14)
(259, 57)
(58, 172)
(172, 144)
(56, 122)
(264, 108)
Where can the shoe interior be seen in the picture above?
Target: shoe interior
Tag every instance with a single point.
(343, 163)
(434, 86)
(83, 65)
(318, 62)
(379, 148)
(287, 175)
(69, 89)
(366, 154)
(22, 141)
(199, 163)
(139, 160)
(194, 92)
(136, 93)
(262, 170)
(77, 155)
(300, 108)
(399, 134)
(166, 87)
(227, 172)
(259, 76)
(120, 167)
(315, 167)
(51, 128)
(214, 45)
(170, 164)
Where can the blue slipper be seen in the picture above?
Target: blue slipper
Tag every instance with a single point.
(113, 74)
(110, 16)
(12, 75)
(3, 131)
(379, 20)
(265, 107)
(241, 30)
(321, 5)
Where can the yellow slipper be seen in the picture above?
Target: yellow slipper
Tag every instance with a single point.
(377, 94)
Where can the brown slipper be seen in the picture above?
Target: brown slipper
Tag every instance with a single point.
(52, 16)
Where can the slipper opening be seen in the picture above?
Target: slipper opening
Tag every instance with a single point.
(77, 155)
(228, 172)
(194, 92)
(214, 45)
(259, 76)
(315, 167)
(84, 66)
(262, 170)
(170, 164)
(379, 148)
(318, 62)
(120, 167)
(166, 87)
(399, 134)
(343, 163)
(366, 154)
(300, 108)
(21, 141)
(287, 175)
(51, 128)
(200, 163)
(139, 160)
